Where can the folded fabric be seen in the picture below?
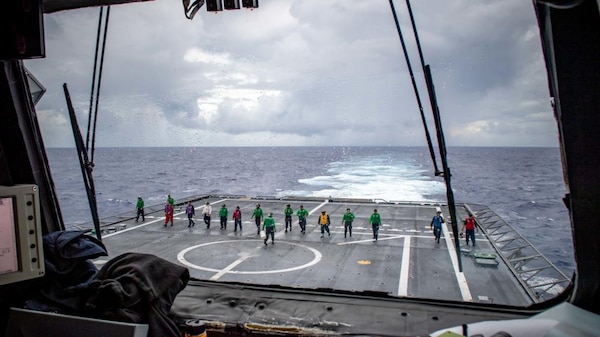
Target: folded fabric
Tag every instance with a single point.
(138, 288)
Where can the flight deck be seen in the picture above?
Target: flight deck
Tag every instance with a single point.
(405, 261)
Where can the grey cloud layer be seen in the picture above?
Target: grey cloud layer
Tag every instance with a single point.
(299, 73)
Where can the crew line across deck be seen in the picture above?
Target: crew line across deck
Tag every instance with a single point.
(423, 268)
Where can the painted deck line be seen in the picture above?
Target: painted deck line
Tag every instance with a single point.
(216, 202)
(371, 240)
(247, 262)
(225, 270)
(404, 268)
(153, 221)
(135, 227)
(319, 206)
(253, 253)
(460, 276)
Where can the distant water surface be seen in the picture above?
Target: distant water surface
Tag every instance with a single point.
(523, 185)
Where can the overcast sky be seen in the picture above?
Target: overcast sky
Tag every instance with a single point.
(299, 72)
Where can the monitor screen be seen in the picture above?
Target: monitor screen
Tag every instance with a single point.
(21, 245)
(9, 262)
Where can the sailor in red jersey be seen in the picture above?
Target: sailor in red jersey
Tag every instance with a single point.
(470, 227)
(237, 218)
(168, 213)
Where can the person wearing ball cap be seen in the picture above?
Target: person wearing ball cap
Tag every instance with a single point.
(469, 228)
(436, 225)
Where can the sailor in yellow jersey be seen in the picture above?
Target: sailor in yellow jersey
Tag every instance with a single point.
(324, 221)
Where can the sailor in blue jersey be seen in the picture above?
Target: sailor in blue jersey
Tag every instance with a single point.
(190, 211)
(436, 224)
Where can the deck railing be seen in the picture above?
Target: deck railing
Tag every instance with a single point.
(539, 277)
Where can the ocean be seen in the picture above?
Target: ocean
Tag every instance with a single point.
(524, 186)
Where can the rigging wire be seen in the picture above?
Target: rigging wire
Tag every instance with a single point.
(87, 139)
(416, 90)
(438, 125)
(86, 161)
(100, 80)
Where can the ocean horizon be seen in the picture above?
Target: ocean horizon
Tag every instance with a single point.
(524, 185)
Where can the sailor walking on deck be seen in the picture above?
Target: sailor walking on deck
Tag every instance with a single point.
(302, 214)
(375, 221)
(190, 211)
(140, 209)
(469, 228)
(257, 214)
(223, 215)
(269, 227)
(347, 222)
(168, 214)
(288, 211)
(206, 211)
(237, 219)
(324, 221)
(436, 224)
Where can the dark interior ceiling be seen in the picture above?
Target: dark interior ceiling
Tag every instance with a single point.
(51, 6)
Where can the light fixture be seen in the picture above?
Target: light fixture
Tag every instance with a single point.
(231, 4)
(250, 3)
(214, 5)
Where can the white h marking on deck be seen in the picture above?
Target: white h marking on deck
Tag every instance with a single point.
(460, 276)
(225, 270)
(403, 281)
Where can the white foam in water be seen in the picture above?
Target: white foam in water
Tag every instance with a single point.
(375, 178)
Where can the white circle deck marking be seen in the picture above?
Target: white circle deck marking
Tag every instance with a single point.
(181, 258)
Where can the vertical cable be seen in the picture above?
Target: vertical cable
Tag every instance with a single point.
(99, 82)
(416, 90)
(87, 139)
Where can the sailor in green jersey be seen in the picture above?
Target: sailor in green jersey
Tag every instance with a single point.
(257, 214)
(269, 227)
(375, 221)
(288, 211)
(302, 214)
(347, 222)
(223, 215)
(140, 209)
(171, 200)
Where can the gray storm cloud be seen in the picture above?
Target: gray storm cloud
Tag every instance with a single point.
(299, 73)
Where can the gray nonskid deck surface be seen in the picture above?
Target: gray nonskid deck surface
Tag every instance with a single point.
(354, 263)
